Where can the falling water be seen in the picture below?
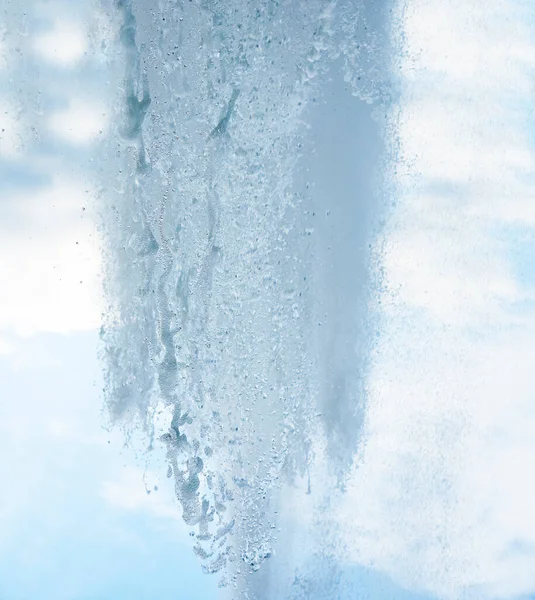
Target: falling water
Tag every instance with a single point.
(238, 221)
(317, 236)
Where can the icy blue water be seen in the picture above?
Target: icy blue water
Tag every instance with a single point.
(238, 259)
(313, 222)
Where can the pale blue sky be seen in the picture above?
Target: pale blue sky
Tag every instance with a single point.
(61, 536)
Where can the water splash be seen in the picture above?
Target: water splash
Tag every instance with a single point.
(211, 254)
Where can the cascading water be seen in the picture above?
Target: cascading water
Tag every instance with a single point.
(336, 370)
(220, 313)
